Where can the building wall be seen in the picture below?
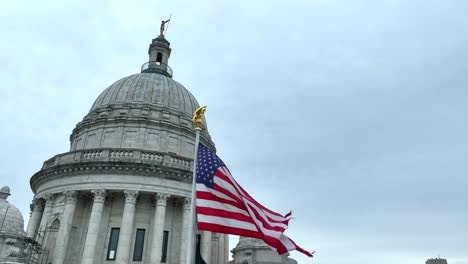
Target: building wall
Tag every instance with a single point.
(112, 218)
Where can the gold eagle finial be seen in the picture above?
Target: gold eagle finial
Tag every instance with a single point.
(198, 117)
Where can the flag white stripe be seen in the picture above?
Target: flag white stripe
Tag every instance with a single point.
(272, 216)
(283, 239)
(261, 211)
(228, 222)
(226, 185)
(263, 216)
(275, 234)
(203, 188)
(220, 206)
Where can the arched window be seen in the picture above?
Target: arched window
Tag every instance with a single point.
(55, 225)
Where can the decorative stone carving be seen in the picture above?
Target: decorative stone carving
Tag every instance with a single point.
(37, 205)
(71, 196)
(186, 203)
(130, 196)
(160, 199)
(49, 199)
(99, 195)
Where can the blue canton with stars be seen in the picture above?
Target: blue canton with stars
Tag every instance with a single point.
(207, 165)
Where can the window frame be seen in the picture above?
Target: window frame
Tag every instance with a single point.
(164, 246)
(139, 237)
(111, 236)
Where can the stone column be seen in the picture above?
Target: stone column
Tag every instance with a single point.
(158, 227)
(49, 204)
(65, 226)
(185, 229)
(205, 246)
(221, 248)
(226, 248)
(37, 208)
(93, 227)
(126, 228)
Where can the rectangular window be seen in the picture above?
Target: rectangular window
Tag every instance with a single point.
(164, 246)
(139, 242)
(113, 241)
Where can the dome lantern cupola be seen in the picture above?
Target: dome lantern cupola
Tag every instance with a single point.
(4, 193)
(159, 52)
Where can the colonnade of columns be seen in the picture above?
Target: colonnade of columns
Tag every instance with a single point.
(42, 210)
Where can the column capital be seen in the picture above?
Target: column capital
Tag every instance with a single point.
(71, 196)
(130, 196)
(160, 199)
(186, 202)
(99, 195)
(37, 205)
(49, 199)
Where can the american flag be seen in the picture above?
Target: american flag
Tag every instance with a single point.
(223, 206)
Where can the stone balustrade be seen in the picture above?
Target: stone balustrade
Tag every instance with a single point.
(128, 155)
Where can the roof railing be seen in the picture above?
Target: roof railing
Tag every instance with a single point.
(157, 67)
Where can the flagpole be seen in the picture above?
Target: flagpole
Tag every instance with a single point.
(197, 120)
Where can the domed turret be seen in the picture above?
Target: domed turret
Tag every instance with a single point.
(11, 219)
(252, 251)
(11, 230)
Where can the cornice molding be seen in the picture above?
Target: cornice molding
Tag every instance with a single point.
(109, 167)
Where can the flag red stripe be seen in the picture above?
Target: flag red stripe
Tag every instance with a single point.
(227, 193)
(266, 221)
(210, 196)
(266, 224)
(228, 230)
(246, 195)
(224, 213)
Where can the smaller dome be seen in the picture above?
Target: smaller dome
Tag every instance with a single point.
(249, 249)
(13, 221)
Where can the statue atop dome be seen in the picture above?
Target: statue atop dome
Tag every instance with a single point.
(163, 27)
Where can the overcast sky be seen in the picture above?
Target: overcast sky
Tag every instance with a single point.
(353, 114)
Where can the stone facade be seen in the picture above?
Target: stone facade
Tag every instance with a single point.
(120, 194)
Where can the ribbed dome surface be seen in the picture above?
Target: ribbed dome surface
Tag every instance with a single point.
(148, 88)
(13, 222)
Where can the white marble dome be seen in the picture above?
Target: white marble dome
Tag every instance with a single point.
(148, 89)
(13, 222)
(148, 111)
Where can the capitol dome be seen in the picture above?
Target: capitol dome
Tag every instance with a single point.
(123, 190)
(147, 89)
(149, 111)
